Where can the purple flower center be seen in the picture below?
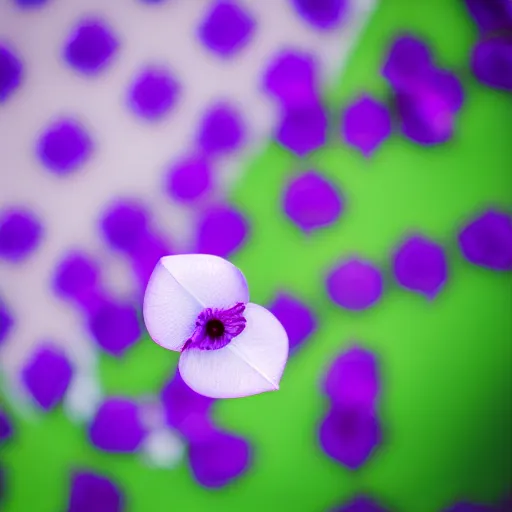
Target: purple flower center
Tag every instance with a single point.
(215, 328)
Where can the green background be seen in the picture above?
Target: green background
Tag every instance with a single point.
(445, 364)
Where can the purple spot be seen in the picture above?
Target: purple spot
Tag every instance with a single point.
(303, 127)
(5, 323)
(226, 29)
(20, 234)
(115, 327)
(298, 321)
(311, 201)
(491, 15)
(144, 261)
(360, 504)
(125, 226)
(116, 426)
(219, 458)
(355, 284)
(90, 491)
(350, 435)
(47, 376)
(10, 73)
(420, 265)
(31, 3)
(492, 62)
(186, 410)
(5, 427)
(323, 14)
(353, 379)
(189, 179)
(64, 146)
(468, 507)
(365, 124)
(222, 230)
(90, 47)
(291, 78)
(486, 241)
(221, 130)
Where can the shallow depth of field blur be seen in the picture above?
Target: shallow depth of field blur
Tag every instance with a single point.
(266, 132)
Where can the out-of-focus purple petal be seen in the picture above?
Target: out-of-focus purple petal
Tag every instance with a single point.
(323, 14)
(355, 284)
(492, 62)
(360, 504)
(420, 265)
(487, 240)
(353, 379)
(76, 277)
(251, 363)
(465, 506)
(311, 201)
(491, 15)
(221, 231)
(365, 124)
(219, 458)
(350, 435)
(146, 258)
(5, 426)
(6, 322)
(10, 73)
(92, 492)
(297, 319)
(115, 327)
(117, 426)
(47, 376)
(185, 410)
(303, 127)
(181, 287)
(226, 28)
(291, 78)
(20, 233)
(189, 179)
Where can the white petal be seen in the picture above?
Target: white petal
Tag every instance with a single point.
(213, 281)
(252, 363)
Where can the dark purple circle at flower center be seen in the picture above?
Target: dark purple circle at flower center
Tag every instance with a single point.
(215, 328)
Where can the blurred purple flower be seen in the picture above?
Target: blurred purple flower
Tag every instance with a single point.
(491, 62)
(353, 379)
(297, 319)
(355, 284)
(5, 426)
(30, 3)
(6, 322)
(487, 240)
(219, 458)
(491, 15)
(323, 14)
(350, 435)
(226, 28)
(221, 130)
(360, 504)
(116, 426)
(311, 201)
(365, 124)
(76, 277)
(92, 492)
(10, 73)
(20, 233)
(221, 231)
(47, 375)
(420, 265)
(189, 179)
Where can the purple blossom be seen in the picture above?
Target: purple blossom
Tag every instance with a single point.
(491, 62)
(219, 458)
(420, 265)
(11, 73)
(350, 435)
(311, 201)
(20, 233)
(486, 240)
(226, 28)
(6, 322)
(5, 427)
(297, 319)
(353, 379)
(90, 491)
(365, 124)
(221, 231)
(189, 179)
(76, 277)
(360, 504)
(323, 14)
(198, 305)
(90, 47)
(47, 376)
(355, 284)
(491, 15)
(116, 426)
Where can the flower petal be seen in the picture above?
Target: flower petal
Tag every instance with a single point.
(252, 363)
(180, 287)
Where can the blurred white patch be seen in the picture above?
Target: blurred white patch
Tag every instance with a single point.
(163, 448)
(151, 413)
(82, 398)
